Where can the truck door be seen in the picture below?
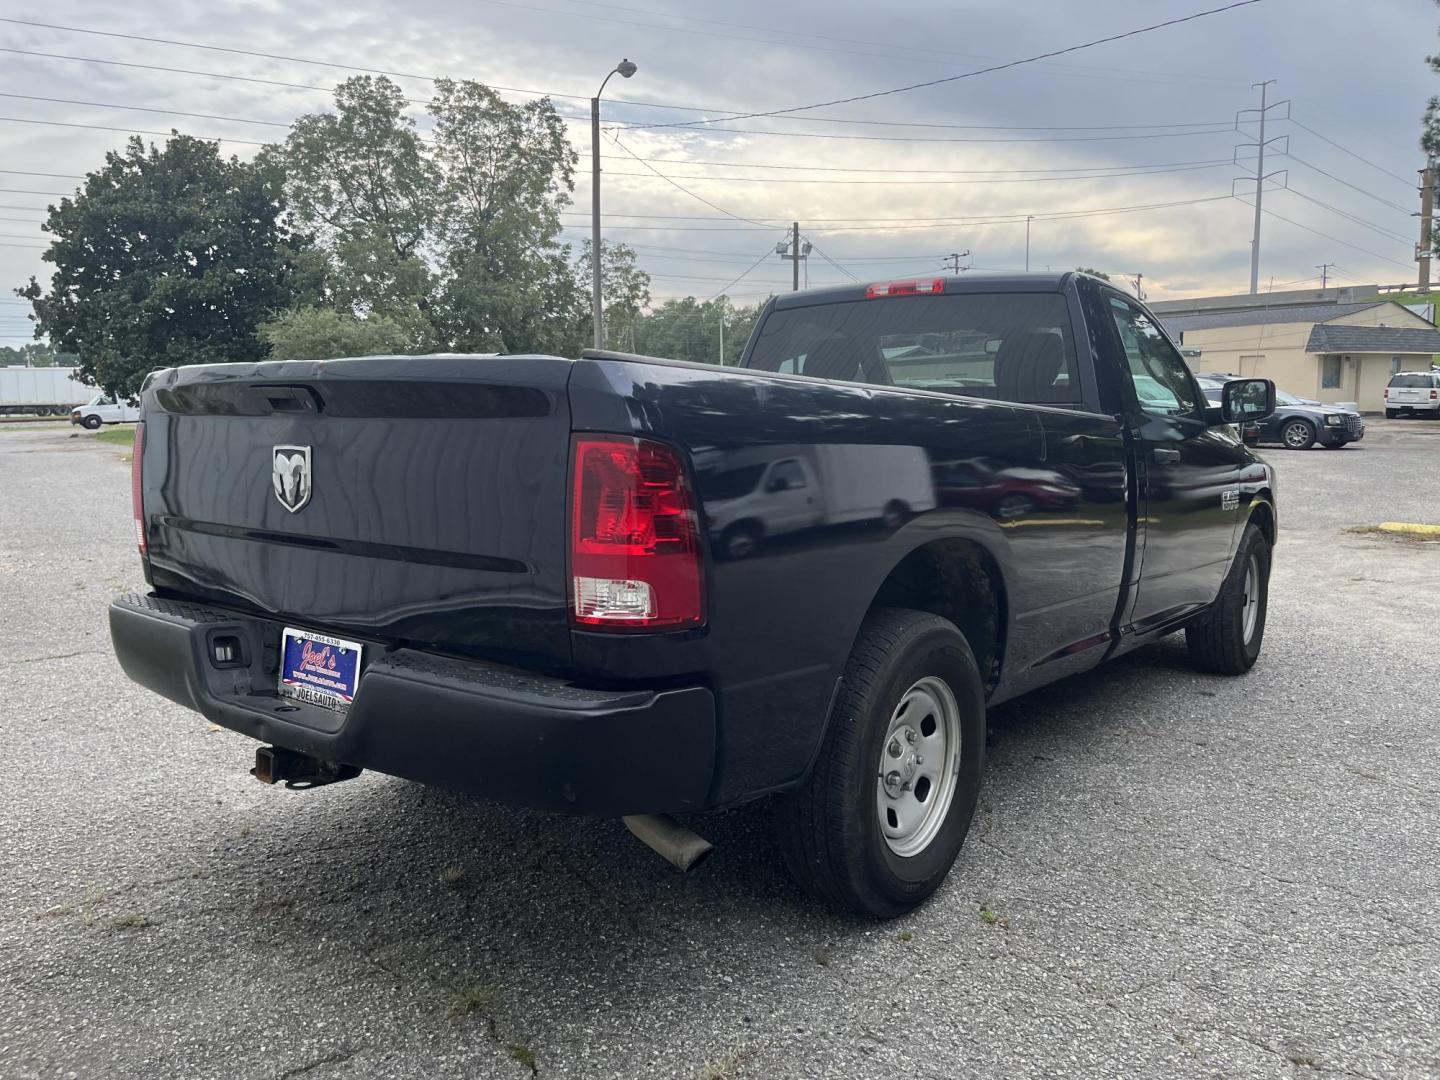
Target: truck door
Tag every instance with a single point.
(1187, 470)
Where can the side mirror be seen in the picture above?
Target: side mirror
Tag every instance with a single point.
(777, 483)
(1245, 401)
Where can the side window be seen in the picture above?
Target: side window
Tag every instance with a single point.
(1162, 381)
(786, 475)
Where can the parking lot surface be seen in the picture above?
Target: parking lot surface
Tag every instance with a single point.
(1171, 874)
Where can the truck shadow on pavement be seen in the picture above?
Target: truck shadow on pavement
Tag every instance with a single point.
(415, 882)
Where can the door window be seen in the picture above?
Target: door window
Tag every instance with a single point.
(787, 475)
(1162, 382)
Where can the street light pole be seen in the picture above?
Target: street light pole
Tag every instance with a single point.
(626, 69)
(1028, 218)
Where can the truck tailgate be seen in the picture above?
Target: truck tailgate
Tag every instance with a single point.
(410, 500)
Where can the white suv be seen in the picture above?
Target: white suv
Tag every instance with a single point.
(1414, 392)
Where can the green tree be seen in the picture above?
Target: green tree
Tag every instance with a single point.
(320, 333)
(626, 289)
(167, 256)
(1093, 272)
(361, 180)
(690, 329)
(508, 171)
(464, 229)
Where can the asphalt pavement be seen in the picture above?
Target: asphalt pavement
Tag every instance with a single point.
(1170, 875)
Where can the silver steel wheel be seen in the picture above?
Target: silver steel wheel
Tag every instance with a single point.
(1297, 436)
(1250, 599)
(919, 764)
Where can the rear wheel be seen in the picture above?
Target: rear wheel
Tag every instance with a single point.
(1227, 640)
(882, 816)
(1298, 435)
(1391, 414)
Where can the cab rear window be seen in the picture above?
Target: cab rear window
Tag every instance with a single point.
(1008, 346)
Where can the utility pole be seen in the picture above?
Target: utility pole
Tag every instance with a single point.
(1139, 292)
(795, 251)
(1324, 269)
(597, 302)
(1427, 210)
(952, 261)
(1028, 218)
(1260, 177)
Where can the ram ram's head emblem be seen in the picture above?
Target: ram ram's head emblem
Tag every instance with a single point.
(290, 475)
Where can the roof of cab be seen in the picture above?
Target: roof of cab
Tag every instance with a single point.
(1035, 281)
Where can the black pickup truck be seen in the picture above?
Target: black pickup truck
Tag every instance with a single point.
(621, 585)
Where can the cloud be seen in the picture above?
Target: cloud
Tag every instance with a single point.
(1331, 59)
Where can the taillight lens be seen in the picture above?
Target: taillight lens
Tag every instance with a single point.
(137, 500)
(1433, 395)
(925, 287)
(634, 536)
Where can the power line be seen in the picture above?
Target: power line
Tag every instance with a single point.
(1389, 234)
(56, 175)
(928, 183)
(743, 274)
(1346, 183)
(28, 191)
(1352, 153)
(982, 71)
(1163, 165)
(613, 125)
(144, 108)
(127, 131)
(679, 187)
(310, 61)
(1327, 236)
(816, 248)
(907, 51)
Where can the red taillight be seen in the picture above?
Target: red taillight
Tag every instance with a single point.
(1433, 395)
(137, 500)
(634, 536)
(927, 287)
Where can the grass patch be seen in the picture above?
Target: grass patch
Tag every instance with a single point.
(134, 920)
(523, 1055)
(725, 1068)
(1304, 1059)
(452, 875)
(473, 997)
(990, 917)
(906, 935)
(116, 435)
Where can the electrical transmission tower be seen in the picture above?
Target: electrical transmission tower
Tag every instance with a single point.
(1259, 146)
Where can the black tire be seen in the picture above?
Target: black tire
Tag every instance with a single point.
(1218, 643)
(1391, 414)
(828, 829)
(1297, 435)
(740, 540)
(90, 423)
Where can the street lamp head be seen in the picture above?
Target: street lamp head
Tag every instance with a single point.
(626, 68)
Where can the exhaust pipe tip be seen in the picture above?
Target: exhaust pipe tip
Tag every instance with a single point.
(677, 845)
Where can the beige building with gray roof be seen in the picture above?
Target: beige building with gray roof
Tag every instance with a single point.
(1331, 345)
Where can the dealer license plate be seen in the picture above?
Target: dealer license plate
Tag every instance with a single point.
(319, 670)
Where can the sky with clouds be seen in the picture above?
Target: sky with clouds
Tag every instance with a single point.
(882, 187)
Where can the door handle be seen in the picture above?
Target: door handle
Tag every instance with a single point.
(1164, 455)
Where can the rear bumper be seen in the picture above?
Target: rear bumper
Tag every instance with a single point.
(467, 725)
